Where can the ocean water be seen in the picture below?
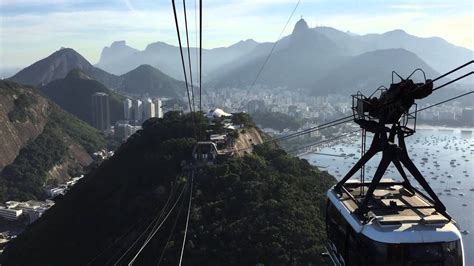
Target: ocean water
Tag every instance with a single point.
(444, 156)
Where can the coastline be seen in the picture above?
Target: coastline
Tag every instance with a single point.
(433, 127)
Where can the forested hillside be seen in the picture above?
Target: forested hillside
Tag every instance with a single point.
(74, 94)
(40, 143)
(261, 208)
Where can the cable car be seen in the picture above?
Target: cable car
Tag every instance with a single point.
(383, 222)
(402, 228)
(205, 151)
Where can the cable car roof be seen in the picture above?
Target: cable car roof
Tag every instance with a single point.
(404, 223)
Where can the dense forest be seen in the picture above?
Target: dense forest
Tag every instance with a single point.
(263, 208)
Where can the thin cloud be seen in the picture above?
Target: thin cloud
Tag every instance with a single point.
(426, 6)
(225, 23)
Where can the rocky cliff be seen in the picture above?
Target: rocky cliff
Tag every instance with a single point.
(22, 115)
(39, 142)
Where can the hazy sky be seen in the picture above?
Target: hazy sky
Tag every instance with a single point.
(33, 29)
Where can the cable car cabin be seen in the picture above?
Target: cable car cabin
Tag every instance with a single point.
(401, 228)
(205, 152)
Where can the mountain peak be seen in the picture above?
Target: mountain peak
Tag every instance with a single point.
(55, 66)
(146, 79)
(158, 45)
(66, 51)
(300, 26)
(121, 43)
(396, 32)
(69, 57)
(244, 44)
(117, 52)
(145, 67)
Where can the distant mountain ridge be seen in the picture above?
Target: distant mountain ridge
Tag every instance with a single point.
(57, 66)
(144, 79)
(113, 55)
(329, 46)
(438, 53)
(299, 59)
(120, 58)
(324, 60)
(367, 71)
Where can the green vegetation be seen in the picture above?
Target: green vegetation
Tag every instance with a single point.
(26, 176)
(20, 111)
(24, 179)
(88, 137)
(243, 119)
(263, 208)
(278, 121)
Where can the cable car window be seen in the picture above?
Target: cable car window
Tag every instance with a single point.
(353, 252)
(336, 228)
(453, 253)
(378, 253)
(395, 255)
(425, 254)
(432, 254)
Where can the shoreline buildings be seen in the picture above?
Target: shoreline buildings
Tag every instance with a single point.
(135, 112)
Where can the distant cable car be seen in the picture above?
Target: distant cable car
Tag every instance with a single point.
(205, 152)
(383, 222)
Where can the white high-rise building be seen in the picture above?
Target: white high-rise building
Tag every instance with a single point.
(137, 110)
(158, 110)
(127, 109)
(148, 109)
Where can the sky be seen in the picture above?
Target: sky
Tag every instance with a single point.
(32, 29)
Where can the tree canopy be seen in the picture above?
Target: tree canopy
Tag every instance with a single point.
(263, 208)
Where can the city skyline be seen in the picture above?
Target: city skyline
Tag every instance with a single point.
(32, 29)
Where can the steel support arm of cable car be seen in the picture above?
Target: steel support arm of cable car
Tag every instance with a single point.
(374, 114)
(375, 147)
(406, 182)
(383, 165)
(396, 154)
